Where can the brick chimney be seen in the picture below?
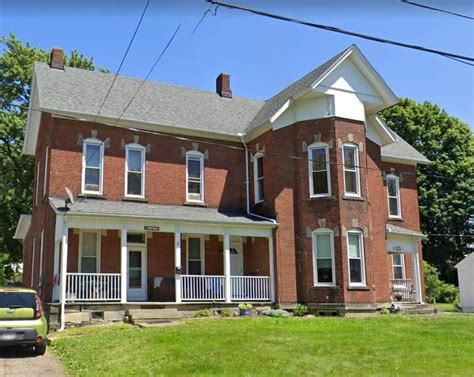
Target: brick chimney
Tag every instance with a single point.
(56, 59)
(223, 85)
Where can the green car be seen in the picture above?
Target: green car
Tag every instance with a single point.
(22, 322)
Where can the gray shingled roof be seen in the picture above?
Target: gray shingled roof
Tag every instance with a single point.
(82, 91)
(399, 230)
(156, 212)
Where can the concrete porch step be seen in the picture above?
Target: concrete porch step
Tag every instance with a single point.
(151, 315)
(413, 308)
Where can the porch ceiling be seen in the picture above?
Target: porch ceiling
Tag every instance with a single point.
(119, 209)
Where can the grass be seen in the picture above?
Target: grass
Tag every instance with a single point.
(451, 308)
(391, 345)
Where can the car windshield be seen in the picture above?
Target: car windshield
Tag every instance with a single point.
(17, 300)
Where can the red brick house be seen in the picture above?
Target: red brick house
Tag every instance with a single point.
(185, 196)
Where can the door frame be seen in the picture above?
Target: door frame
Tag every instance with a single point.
(240, 243)
(131, 292)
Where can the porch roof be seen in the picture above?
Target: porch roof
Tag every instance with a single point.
(393, 229)
(108, 208)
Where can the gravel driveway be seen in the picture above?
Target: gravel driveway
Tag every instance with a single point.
(23, 362)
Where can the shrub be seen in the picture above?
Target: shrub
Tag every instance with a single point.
(276, 313)
(301, 310)
(384, 311)
(227, 312)
(436, 289)
(202, 313)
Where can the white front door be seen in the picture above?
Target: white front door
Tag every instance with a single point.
(137, 273)
(236, 258)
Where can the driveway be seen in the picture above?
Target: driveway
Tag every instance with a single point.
(23, 362)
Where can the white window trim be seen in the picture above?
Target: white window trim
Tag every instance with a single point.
(45, 181)
(402, 259)
(201, 159)
(203, 262)
(362, 258)
(141, 149)
(99, 236)
(91, 141)
(41, 257)
(356, 170)
(33, 262)
(258, 197)
(323, 232)
(37, 183)
(310, 170)
(397, 185)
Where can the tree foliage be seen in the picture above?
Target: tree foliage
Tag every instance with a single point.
(16, 178)
(446, 187)
(437, 290)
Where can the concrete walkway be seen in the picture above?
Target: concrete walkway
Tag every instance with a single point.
(18, 361)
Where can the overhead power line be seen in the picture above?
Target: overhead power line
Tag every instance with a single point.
(457, 57)
(437, 9)
(123, 58)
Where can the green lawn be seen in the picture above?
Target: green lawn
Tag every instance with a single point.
(385, 345)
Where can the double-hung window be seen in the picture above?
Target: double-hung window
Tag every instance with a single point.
(135, 171)
(89, 257)
(323, 257)
(355, 250)
(319, 172)
(37, 183)
(194, 176)
(45, 178)
(258, 177)
(195, 253)
(393, 190)
(92, 167)
(351, 170)
(398, 264)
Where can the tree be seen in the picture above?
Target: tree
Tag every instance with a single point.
(446, 187)
(16, 178)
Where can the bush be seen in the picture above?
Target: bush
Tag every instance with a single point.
(384, 311)
(276, 313)
(227, 312)
(436, 289)
(301, 310)
(202, 313)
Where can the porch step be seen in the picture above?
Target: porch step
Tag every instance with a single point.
(151, 315)
(416, 309)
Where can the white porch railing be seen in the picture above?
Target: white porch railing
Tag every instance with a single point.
(92, 287)
(404, 287)
(250, 288)
(211, 288)
(202, 288)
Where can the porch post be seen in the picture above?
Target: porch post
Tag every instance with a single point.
(227, 289)
(177, 264)
(416, 276)
(271, 267)
(123, 265)
(64, 252)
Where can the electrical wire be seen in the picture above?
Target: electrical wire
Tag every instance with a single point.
(437, 9)
(342, 31)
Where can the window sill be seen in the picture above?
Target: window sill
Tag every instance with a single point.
(322, 197)
(325, 287)
(354, 198)
(395, 218)
(132, 199)
(358, 288)
(92, 196)
(195, 204)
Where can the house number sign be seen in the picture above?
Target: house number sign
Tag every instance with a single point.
(397, 248)
(151, 228)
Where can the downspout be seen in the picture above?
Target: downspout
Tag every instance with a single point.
(247, 183)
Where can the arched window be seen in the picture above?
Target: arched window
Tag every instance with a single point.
(258, 177)
(355, 255)
(324, 273)
(194, 176)
(92, 166)
(393, 192)
(350, 157)
(135, 171)
(319, 170)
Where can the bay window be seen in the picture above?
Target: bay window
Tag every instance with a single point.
(351, 170)
(194, 177)
(323, 257)
(92, 166)
(319, 172)
(355, 250)
(135, 171)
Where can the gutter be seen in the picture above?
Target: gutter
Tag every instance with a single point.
(247, 183)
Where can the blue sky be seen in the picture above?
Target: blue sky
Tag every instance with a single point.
(262, 55)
